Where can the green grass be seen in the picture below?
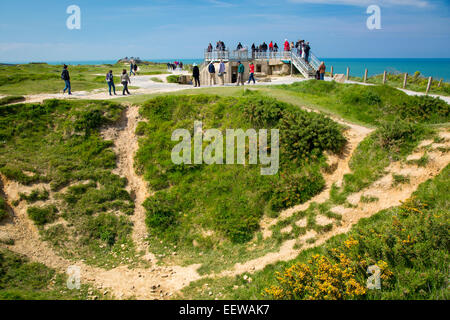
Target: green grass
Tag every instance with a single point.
(43, 78)
(419, 263)
(369, 104)
(234, 197)
(416, 82)
(21, 279)
(58, 143)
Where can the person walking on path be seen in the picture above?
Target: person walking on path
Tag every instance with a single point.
(125, 79)
(132, 68)
(196, 75)
(135, 67)
(322, 69)
(110, 81)
(66, 77)
(252, 73)
(240, 78)
(222, 72)
(212, 74)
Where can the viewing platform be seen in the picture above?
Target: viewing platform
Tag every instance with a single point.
(271, 58)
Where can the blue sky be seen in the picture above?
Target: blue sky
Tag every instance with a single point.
(36, 30)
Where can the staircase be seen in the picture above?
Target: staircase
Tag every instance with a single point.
(307, 69)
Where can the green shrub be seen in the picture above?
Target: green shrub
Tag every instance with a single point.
(42, 215)
(108, 228)
(173, 79)
(161, 211)
(3, 209)
(35, 195)
(424, 108)
(296, 189)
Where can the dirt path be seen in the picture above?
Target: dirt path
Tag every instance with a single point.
(125, 147)
(350, 216)
(355, 134)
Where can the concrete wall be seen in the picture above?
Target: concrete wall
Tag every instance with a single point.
(262, 68)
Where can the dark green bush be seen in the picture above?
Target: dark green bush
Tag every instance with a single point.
(427, 108)
(161, 211)
(173, 79)
(42, 215)
(297, 188)
(3, 209)
(108, 228)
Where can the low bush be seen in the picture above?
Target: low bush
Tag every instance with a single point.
(42, 215)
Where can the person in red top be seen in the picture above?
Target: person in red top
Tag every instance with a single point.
(271, 48)
(287, 46)
(252, 73)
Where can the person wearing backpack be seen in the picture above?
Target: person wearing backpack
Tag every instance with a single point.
(66, 77)
(240, 78)
(125, 79)
(110, 81)
(212, 74)
(196, 75)
(135, 67)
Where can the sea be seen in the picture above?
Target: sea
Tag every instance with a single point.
(436, 68)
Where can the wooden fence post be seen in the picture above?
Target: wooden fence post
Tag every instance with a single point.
(348, 73)
(384, 77)
(440, 83)
(365, 76)
(405, 80)
(331, 73)
(430, 80)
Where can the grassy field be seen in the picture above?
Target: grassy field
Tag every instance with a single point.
(36, 78)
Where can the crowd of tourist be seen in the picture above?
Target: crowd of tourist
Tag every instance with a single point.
(301, 48)
(176, 65)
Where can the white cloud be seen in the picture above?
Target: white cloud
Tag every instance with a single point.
(365, 3)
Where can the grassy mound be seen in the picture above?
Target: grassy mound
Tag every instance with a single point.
(206, 204)
(58, 143)
(371, 104)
